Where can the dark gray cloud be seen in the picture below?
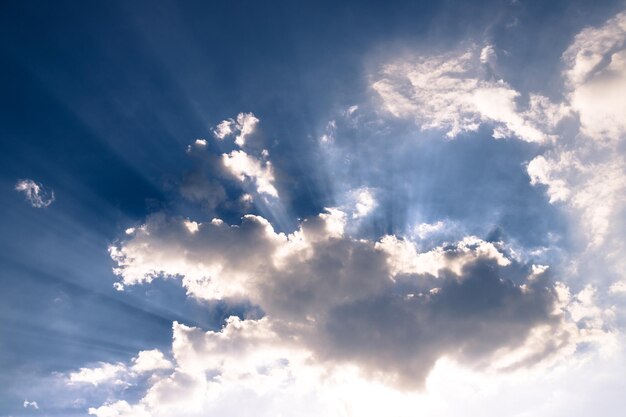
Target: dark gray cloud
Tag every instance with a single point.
(400, 337)
(348, 301)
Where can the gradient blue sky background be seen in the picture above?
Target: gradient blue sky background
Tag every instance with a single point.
(101, 102)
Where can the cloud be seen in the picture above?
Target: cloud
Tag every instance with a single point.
(224, 128)
(248, 168)
(588, 172)
(405, 259)
(381, 306)
(36, 194)
(365, 203)
(244, 126)
(104, 373)
(349, 344)
(454, 92)
(596, 76)
(424, 230)
(119, 409)
(120, 375)
(31, 404)
(488, 55)
(150, 360)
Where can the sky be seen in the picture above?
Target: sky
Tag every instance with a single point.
(312, 208)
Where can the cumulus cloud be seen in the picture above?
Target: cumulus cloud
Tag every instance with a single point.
(453, 92)
(248, 168)
(150, 360)
(36, 194)
(120, 375)
(104, 373)
(380, 306)
(242, 127)
(488, 55)
(342, 312)
(405, 259)
(596, 76)
(588, 172)
(119, 409)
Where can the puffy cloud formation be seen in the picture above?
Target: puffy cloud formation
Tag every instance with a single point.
(596, 77)
(246, 167)
(104, 373)
(150, 360)
(456, 92)
(36, 194)
(239, 163)
(380, 306)
(244, 125)
(588, 172)
(341, 313)
(147, 362)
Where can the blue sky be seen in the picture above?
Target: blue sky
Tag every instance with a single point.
(218, 207)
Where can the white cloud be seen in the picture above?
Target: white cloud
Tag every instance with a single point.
(451, 92)
(405, 259)
(150, 360)
(588, 172)
(244, 126)
(191, 226)
(224, 128)
(488, 55)
(424, 230)
(351, 110)
(119, 409)
(365, 203)
(246, 167)
(31, 404)
(618, 287)
(36, 194)
(104, 373)
(596, 76)
(246, 123)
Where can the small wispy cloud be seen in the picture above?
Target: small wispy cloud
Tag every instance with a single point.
(31, 404)
(244, 126)
(36, 194)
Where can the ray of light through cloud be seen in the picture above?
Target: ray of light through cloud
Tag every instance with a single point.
(315, 210)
